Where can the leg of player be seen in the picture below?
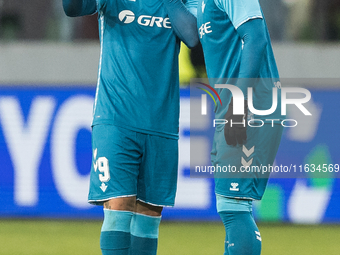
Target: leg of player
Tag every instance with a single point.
(115, 238)
(242, 235)
(144, 229)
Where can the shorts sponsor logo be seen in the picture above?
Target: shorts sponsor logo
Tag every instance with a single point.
(234, 186)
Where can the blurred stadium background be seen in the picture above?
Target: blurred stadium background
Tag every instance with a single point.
(48, 68)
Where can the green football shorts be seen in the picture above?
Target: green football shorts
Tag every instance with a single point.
(128, 163)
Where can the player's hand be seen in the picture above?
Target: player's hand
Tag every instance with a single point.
(236, 133)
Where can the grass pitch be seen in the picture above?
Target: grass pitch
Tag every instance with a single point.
(51, 237)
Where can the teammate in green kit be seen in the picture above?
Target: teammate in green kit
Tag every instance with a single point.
(238, 52)
(135, 115)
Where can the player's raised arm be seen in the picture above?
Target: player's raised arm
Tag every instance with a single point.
(183, 21)
(75, 8)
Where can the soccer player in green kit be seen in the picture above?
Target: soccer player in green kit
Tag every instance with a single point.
(238, 52)
(135, 115)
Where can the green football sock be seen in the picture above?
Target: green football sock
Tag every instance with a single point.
(115, 235)
(144, 234)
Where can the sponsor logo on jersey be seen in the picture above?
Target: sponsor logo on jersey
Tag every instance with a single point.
(277, 85)
(127, 16)
(205, 29)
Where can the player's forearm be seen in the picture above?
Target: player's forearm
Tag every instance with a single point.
(254, 37)
(183, 22)
(74, 8)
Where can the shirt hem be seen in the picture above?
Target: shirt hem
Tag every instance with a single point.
(139, 130)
